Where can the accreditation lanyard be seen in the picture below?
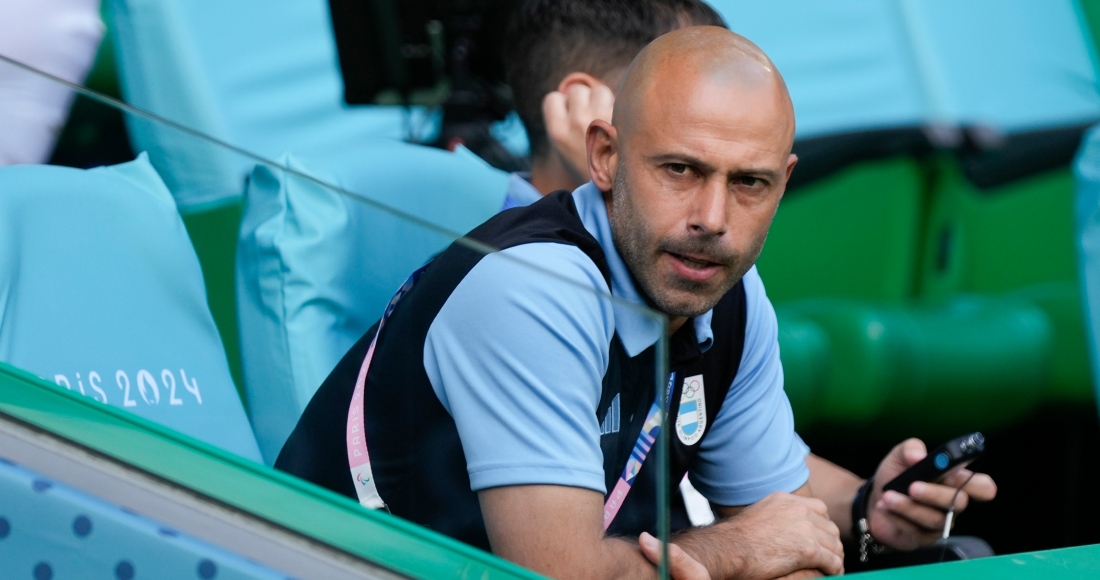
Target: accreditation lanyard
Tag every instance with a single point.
(359, 460)
(651, 429)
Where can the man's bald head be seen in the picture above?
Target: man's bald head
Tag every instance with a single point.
(676, 66)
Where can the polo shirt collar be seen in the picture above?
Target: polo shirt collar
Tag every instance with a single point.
(637, 330)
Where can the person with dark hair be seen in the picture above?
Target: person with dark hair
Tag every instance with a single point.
(561, 57)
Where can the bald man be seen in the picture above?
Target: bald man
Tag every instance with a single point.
(562, 65)
(511, 410)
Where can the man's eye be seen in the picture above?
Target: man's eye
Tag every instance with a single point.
(679, 168)
(749, 181)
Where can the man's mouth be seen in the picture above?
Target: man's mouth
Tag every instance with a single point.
(695, 263)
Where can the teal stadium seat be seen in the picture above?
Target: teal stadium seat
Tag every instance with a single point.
(316, 266)
(261, 75)
(101, 293)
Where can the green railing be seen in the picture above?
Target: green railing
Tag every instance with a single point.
(284, 503)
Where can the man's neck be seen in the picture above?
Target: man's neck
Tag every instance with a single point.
(548, 174)
(675, 324)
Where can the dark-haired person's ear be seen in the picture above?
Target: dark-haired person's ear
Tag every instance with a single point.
(568, 111)
(602, 143)
(578, 78)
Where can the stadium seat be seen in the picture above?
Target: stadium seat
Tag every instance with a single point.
(101, 293)
(316, 266)
(804, 352)
(975, 362)
(1003, 241)
(261, 75)
(865, 227)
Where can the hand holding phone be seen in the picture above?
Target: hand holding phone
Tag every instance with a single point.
(940, 463)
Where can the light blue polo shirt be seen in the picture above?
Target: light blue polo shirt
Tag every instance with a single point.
(517, 357)
(520, 191)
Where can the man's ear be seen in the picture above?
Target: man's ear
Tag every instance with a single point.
(792, 160)
(602, 141)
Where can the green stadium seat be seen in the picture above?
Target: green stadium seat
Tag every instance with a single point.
(1017, 240)
(975, 362)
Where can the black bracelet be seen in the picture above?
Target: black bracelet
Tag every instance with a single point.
(861, 529)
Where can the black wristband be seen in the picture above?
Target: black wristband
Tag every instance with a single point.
(861, 529)
(859, 505)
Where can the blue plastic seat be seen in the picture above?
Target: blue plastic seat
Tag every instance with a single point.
(261, 75)
(101, 293)
(853, 65)
(316, 267)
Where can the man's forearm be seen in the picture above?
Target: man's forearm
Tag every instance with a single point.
(716, 547)
(837, 487)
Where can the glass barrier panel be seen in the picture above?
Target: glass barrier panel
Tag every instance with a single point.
(189, 298)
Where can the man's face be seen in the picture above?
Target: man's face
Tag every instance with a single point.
(696, 186)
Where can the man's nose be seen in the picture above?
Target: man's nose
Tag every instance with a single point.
(709, 212)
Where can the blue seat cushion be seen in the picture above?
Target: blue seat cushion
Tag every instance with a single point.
(317, 266)
(101, 293)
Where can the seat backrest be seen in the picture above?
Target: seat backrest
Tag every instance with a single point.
(316, 267)
(847, 64)
(262, 75)
(1013, 66)
(853, 65)
(100, 292)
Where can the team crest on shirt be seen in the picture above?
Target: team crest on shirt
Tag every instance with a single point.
(691, 421)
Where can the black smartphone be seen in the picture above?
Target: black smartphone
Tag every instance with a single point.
(955, 454)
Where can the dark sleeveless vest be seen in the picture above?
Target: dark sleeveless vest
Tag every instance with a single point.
(416, 455)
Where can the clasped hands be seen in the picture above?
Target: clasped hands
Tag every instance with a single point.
(789, 536)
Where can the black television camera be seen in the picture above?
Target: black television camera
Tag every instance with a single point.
(434, 53)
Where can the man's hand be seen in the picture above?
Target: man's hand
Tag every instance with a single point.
(909, 521)
(681, 566)
(568, 111)
(779, 535)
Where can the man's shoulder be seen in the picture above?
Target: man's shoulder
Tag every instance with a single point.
(540, 275)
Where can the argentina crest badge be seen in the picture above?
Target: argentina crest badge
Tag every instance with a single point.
(691, 420)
